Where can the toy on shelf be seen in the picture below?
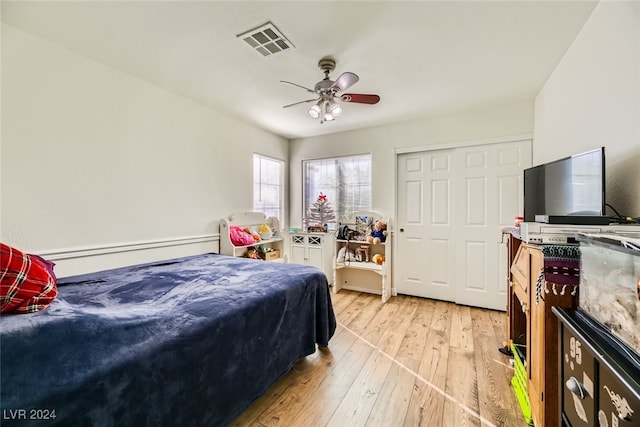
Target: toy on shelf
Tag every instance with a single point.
(319, 215)
(265, 232)
(240, 237)
(252, 253)
(378, 232)
(362, 237)
(378, 259)
(252, 235)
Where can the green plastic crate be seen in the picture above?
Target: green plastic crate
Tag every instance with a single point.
(519, 371)
(519, 383)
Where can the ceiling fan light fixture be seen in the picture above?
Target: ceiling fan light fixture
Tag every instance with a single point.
(327, 112)
(326, 90)
(334, 108)
(314, 112)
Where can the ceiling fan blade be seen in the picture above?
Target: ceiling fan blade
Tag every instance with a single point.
(294, 84)
(360, 98)
(344, 81)
(301, 102)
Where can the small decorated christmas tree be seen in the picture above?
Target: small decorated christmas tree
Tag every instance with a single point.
(321, 212)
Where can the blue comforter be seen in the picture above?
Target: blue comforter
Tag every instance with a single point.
(185, 342)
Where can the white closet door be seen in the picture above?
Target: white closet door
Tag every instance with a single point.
(424, 264)
(488, 197)
(451, 206)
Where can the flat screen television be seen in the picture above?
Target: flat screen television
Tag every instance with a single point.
(570, 190)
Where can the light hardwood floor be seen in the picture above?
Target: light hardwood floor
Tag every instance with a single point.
(409, 362)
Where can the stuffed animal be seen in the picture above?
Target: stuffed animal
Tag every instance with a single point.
(252, 253)
(254, 234)
(345, 255)
(240, 237)
(378, 233)
(378, 259)
(265, 232)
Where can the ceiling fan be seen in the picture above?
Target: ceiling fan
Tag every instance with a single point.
(326, 108)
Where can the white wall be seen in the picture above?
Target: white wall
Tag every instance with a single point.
(382, 141)
(592, 99)
(92, 157)
(95, 158)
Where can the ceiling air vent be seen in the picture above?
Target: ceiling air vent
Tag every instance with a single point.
(266, 40)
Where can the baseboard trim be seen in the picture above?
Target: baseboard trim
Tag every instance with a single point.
(361, 289)
(127, 247)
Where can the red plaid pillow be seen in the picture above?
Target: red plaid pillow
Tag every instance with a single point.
(26, 285)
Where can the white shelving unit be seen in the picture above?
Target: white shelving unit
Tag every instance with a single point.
(312, 249)
(363, 276)
(253, 220)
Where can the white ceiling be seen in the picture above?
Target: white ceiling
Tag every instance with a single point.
(421, 57)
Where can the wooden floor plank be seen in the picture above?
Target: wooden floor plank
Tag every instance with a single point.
(393, 399)
(352, 314)
(386, 318)
(462, 406)
(305, 384)
(426, 407)
(499, 320)
(361, 315)
(356, 405)
(415, 338)
(322, 405)
(494, 370)
(341, 300)
(410, 362)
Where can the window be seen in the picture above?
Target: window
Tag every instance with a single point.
(268, 186)
(346, 181)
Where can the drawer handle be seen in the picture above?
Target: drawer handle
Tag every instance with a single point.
(576, 387)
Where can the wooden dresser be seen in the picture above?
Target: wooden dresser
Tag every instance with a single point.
(532, 324)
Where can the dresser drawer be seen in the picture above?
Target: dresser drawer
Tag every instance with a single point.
(578, 376)
(520, 269)
(608, 371)
(618, 405)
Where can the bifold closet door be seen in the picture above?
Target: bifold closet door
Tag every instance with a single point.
(452, 204)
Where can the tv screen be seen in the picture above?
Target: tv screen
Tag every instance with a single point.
(572, 186)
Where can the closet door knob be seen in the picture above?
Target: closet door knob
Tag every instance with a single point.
(402, 230)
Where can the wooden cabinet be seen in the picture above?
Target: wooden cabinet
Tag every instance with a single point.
(534, 326)
(312, 249)
(516, 319)
(252, 220)
(362, 273)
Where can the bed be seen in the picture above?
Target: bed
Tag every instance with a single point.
(191, 341)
